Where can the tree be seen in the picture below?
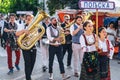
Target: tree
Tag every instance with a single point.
(53, 5)
(24, 5)
(11, 6)
(74, 4)
(4, 6)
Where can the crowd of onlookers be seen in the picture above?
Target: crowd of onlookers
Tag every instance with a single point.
(113, 31)
(20, 20)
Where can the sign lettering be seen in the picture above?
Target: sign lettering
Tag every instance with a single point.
(96, 5)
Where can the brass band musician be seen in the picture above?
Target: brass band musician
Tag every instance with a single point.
(68, 43)
(76, 31)
(29, 56)
(55, 48)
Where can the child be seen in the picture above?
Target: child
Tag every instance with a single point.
(105, 51)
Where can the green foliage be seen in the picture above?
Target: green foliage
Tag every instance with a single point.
(24, 5)
(54, 5)
(18, 5)
(74, 4)
(4, 6)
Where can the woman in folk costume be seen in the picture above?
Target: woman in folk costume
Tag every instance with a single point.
(90, 64)
(105, 50)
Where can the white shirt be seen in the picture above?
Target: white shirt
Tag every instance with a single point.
(48, 32)
(72, 28)
(90, 39)
(22, 22)
(20, 27)
(102, 45)
(2, 25)
(110, 37)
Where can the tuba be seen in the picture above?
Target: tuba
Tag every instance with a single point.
(36, 31)
(62, 34)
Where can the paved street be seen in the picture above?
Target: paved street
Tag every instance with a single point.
(39, 75)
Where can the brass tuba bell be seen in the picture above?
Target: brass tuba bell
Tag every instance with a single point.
(36, 31)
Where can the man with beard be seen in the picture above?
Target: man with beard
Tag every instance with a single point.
(55, 48)
(76, 30)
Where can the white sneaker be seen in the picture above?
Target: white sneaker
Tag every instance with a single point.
(51, 77)
(66, 77)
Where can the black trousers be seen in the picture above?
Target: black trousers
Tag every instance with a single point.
(68, 48)
(29, 61)
(58, 51)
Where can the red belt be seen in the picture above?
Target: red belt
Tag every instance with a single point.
(103, 53)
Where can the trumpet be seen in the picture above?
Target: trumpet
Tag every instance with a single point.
(68, 25)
